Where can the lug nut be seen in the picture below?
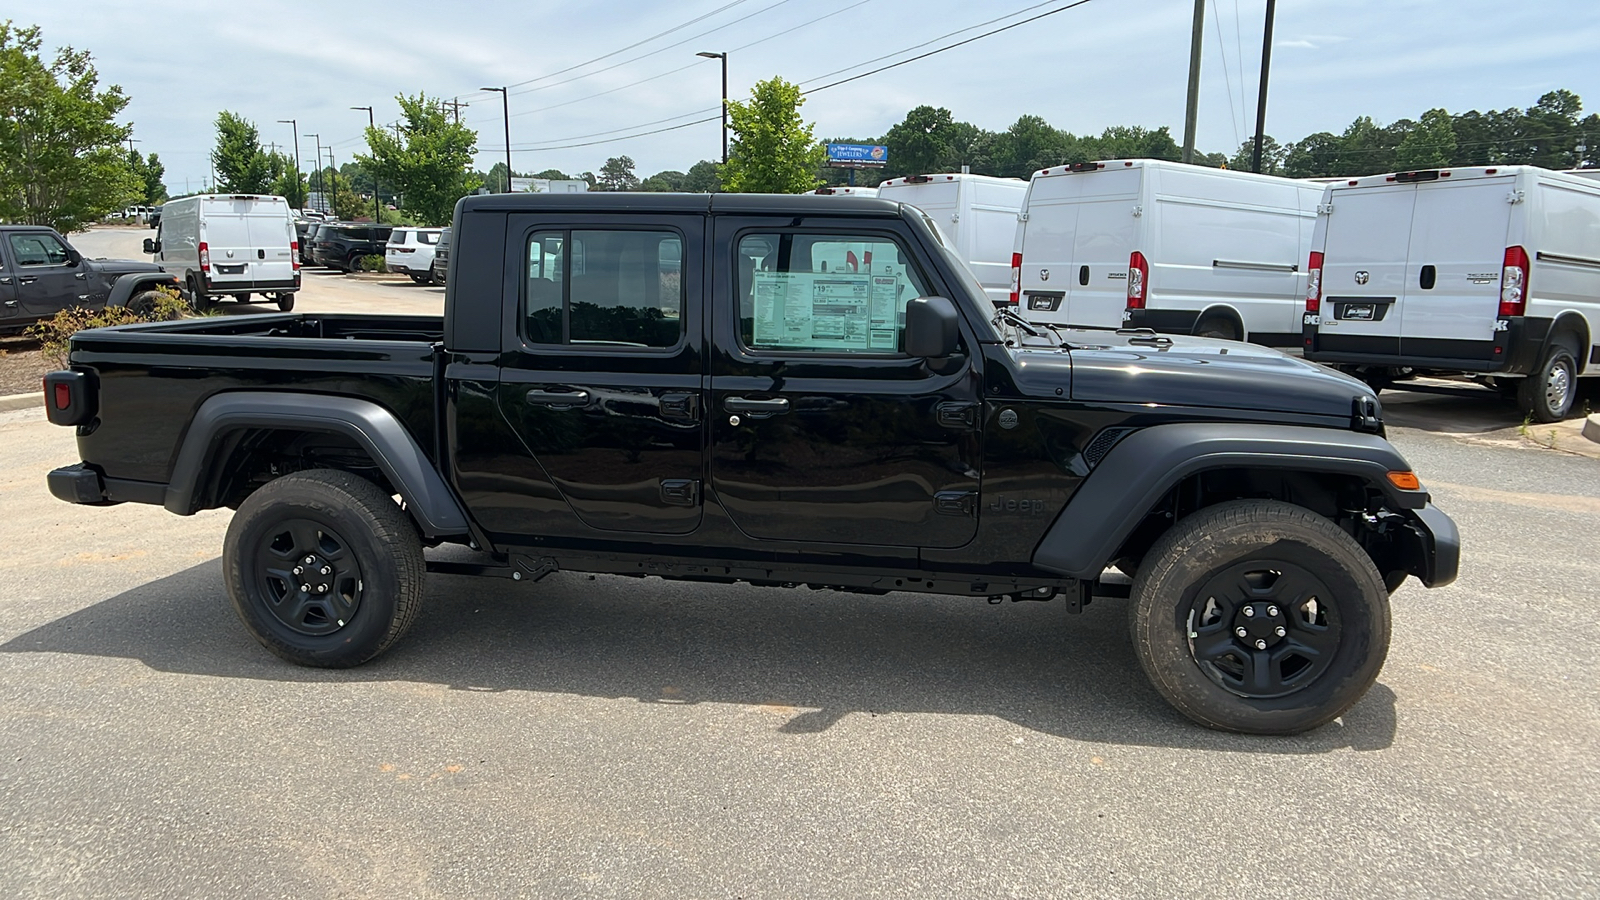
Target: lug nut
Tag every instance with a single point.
(325, 570)
(310, 560)
(1272, 610)
(1261, 644)
(305, 588)
(1279, 631)
(1249, 611)
(322, 589)
(298, 570)
(1240, 631)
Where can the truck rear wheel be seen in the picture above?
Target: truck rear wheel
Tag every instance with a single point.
(285, 302)
(1260, 617)
(1547, 394)
(323, 568)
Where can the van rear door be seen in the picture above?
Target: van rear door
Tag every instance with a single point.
(1364, 269)
(1105, 234)
(226, 234)
(271, 233)
(1452, 292)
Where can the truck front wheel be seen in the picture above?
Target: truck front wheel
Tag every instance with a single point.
(1261, 617)
(323, 568)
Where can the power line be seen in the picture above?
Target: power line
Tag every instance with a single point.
(868, 62)
(647, 40)
(1227, 79)
(961, 43)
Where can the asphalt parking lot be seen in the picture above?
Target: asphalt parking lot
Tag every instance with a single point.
(613, 737)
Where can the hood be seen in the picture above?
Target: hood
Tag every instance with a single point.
(1189, 371)
(123, 266)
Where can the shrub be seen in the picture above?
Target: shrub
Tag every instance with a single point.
(373, 263)
(55, 333)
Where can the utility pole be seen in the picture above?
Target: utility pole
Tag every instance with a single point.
(724, 58)
(1261, 101)
(455, 105)
(333, 173)
(296, 126)
(131, 142)
(320, 192)
(377, 215)
(505, 104)
(1196, 41)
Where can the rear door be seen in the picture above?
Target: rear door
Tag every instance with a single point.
(602, 368)
(1364, 269)
(1452, 291)
(271, 233)
(1105, 234)
(226, 233)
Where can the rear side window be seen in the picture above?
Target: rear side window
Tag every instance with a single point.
(615, 288)
(427, 237)
(398, 237)
(829, 293)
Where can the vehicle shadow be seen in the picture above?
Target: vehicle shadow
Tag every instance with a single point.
(818, 656)
(1448, 406)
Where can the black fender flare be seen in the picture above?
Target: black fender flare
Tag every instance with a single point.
(428, 498)
(123, 289)
(1143, 466)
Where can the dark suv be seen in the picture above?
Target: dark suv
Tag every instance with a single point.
(341, 246)
(441, 257)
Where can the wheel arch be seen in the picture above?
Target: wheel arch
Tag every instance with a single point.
(1222, 311)
(1571, 322)
(123, 289)
(225, 422)
(1134, 494)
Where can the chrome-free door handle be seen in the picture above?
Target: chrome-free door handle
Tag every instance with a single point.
(558, 399)
(756, 407)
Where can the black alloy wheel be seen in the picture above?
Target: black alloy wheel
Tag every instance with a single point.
(1261, 629)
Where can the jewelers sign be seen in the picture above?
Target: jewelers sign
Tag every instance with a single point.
(857, 156)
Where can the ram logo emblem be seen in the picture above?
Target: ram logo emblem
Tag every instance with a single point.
(1363, 276)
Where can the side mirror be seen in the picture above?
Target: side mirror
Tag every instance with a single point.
(73, 256)
(150, 246)
(933, 328)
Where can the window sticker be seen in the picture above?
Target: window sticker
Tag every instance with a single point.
(826, 311)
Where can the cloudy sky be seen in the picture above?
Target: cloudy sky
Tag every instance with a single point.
(594, 71)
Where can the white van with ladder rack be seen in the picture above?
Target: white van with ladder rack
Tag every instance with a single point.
(1492, 271)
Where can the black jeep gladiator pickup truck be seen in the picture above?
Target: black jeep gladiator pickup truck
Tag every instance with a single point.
(776, 390)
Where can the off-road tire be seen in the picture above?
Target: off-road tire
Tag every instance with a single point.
(348, 513)
(1216, 541)
(144, 302)
(1547, 393)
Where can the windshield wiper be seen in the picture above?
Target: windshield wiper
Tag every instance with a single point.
(1012, 316)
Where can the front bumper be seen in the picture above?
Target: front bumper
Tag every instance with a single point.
(1434, 546)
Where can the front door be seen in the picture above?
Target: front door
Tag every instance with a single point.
(48, 280)
(822, 430)
(602, 367)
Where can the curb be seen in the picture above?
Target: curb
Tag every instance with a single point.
(1591, 428)
(12, 402)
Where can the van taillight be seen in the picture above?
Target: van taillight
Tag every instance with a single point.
(1514, 282)
(294, 254)
(1016, 278)
(1138, 278)
(1314, 282)
(205, 257)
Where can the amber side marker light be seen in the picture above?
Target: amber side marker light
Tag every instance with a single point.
(1405, 481)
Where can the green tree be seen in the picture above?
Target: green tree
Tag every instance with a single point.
(702, 178)
(430, 163)
(555, 175)
(617, 175)
(773, 150)
(1313, 156)
(1134, 142)
(242, 166)
(149, 171)
(668, 181)
(920, 143)
(1365, 149)
(1031, 144)
(286, 181)
(1429, 145)
(61, 160)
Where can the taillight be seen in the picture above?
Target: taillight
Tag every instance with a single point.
(1514, 282)
(1016, 278)
(1138, 278)
(205, 257)
(68, 398)
(1314, 282)
(294, 254)
(63, 396)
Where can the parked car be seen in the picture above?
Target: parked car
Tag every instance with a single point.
(342, 245)
(1493, 271)
(1179, 249)
(975, 214)
(239, 244)
(41, 274)
(410, 252)
(595, 399)
(309, 241)
(441, 257)
(155, 216)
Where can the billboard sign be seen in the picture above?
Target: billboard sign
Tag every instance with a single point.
(858, 156)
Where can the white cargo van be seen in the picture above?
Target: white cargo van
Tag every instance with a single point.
(1152, 244)
(846, 191)
(239, 244)
(1494, 271)
(976, 215)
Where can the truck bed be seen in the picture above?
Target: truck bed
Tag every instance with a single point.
(151, 378)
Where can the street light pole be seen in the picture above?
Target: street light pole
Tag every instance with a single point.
(1193, 105)
(1261, 101)
(505, 105)
(296, 126)
(333, 173)
(320, 192)
(724, 58)
(377, 217)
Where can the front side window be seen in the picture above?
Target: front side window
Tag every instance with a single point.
(830, 293)
(617, 288)
(38, 250)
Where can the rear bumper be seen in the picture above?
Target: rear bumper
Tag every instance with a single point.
(79, 483)
(1166, 321)
(231, 286)
(1515, 350)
